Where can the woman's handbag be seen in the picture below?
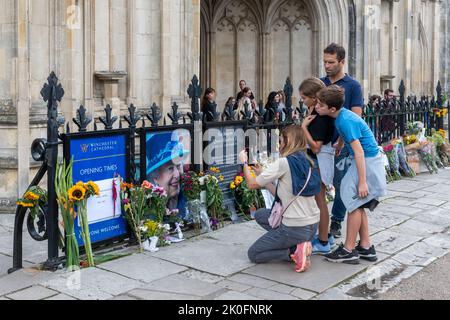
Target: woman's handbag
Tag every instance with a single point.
(277, 210)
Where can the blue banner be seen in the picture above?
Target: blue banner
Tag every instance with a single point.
(101, 159)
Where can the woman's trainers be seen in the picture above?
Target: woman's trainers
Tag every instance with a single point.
(341, 255)
(367, 254)
(302, 257)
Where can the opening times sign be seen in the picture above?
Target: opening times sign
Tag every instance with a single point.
(101, 157)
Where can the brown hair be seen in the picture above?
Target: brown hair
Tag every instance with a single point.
(336, 49)
(294, 141)
(311, 86)
(205, 98)
(333, 96)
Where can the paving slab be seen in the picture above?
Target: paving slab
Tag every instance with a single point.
(124, 298)
(415, 194)
(439, 240)
(401, 201)
(437, 216)
(439, 188)
(236, 296)
(22, 279)
(61, 297)
(237, 235)
(183, 285)
(33, 251)
(420, 254)
(91, 284)
(418, 228)
(267, 294)
(422, 206)
(282, 288)
(234, 286)
(210, 255)
(431, 201)
(390, 242)
(4, 299)
(408, 186)
(386, 219)
(377, 279)
(32, 293)
(303, 294)
(334, 294)
(408, 211)
(164, 296)
(203, 276)
(142, 267)
(252, 280)
(322, 275)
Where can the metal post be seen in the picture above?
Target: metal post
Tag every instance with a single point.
(195, 91)
(52, 93)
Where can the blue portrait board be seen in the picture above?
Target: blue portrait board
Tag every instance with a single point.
(101, 158)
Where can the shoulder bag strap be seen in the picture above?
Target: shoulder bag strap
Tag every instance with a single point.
(301, 191)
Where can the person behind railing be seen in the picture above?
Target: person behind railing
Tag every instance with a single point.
(209, 106)
(319, 131)
(272, 107)
(282, 105)
(291, 241)
(241, 94)
(229, 107)
(389, 95)
(247, 99)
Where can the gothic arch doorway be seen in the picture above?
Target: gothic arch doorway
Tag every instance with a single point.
(266, 41)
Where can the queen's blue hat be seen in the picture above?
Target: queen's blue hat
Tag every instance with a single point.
(162, 148)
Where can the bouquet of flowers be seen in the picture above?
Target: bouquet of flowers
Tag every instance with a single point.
(214, 197)
(154, 233)
(191, 186)
(426, 154)
(34, 198)
(247, 200)
(394, 162)
(79, 195)
(63, 183)
(135, 207)
(404, 167)
(156, 198)
(389, 178)
(439, 141)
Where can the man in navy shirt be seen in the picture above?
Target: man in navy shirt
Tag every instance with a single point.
(334, 62)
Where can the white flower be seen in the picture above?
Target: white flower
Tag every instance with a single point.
(167, 227)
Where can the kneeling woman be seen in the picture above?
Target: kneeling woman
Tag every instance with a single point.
(291, 241)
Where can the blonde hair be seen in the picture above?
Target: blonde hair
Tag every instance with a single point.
(294, 142)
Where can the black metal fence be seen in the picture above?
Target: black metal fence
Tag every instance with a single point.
(387, 120)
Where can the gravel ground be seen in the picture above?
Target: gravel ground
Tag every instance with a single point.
(433, 283)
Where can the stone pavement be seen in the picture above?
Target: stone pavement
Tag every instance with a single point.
(411, 230)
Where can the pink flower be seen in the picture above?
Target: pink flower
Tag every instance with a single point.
(126, 201)
(389, 148)
(147, 185)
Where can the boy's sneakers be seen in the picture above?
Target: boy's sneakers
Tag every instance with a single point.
(367, 254)
(319, 248)
(335, 229)
(302, 257)
(340, 255)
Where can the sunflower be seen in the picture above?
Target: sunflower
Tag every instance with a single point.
(77, 193)
(31, 196)
(93, 187)
(25, 204)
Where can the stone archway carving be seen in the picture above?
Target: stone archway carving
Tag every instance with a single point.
(316, 23)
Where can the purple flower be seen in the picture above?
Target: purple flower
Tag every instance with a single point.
(126, 201)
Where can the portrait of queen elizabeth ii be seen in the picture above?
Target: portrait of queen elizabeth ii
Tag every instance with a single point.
(167, 154)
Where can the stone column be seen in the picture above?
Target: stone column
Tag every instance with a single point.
(23, 96)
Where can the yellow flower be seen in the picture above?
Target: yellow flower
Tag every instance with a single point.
(253, 174)
(25, 204)
(80, 184)
(232, 186)
(77, 193)
(238, 180)
(93, 187)
(31, 196)
(221, 178)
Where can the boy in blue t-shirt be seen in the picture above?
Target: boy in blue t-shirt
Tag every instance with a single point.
(365, 181)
